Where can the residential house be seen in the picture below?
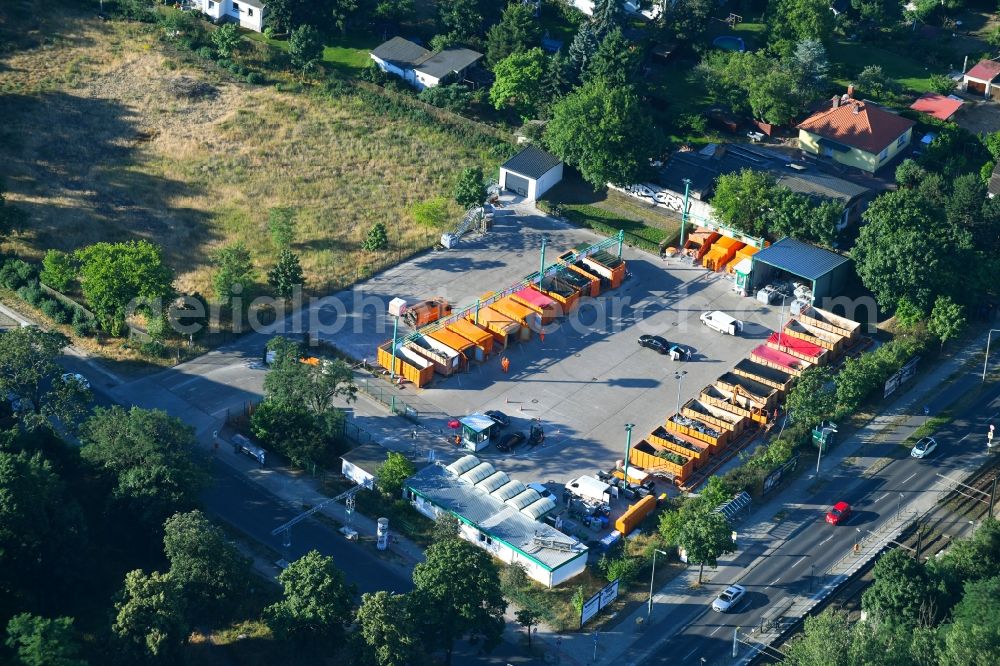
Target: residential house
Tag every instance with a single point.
(702, 169)
(939, 106)
(855, 133)
(248, 14)
(981, 79)
(418, 66)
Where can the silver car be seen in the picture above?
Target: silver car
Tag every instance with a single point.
(728, 599)
(923, 448)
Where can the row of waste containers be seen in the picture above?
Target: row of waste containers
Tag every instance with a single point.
(750, 393)
(717, 252)
(448, 348)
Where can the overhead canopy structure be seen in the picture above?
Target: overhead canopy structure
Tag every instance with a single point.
(826, 272)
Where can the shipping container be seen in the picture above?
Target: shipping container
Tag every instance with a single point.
(501, 327)
(688, 447)
(573, 279)
(744, 252)
(778, 360)
(605, 264)
(830, 322)
(729, 401)
(635, 514)
(446, 360)
(411, 367)
(453, 340)
(699, 243)
(748, 388)
(561, 293)
(523, 315)
(807, 351)
(765, 375)
(817, 336)
(478, 336)
(548, 310)
(660, 461)
(594, 280)
(722, 252)
(698, 429)
(714, 416)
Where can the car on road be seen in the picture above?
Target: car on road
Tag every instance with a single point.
(728, 599)
(511, 441)
(78, 378)
(840, 513)
(498, 417)
(923, 448)
(654, 342)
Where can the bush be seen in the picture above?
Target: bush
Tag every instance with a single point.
(153, 349)
(58, 270)
(624, 568)
(82, 324)
(255, 78)
(206, 52)
(17, 273)
(31, 293)
(54, 310)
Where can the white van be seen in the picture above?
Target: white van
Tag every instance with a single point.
(722, 322)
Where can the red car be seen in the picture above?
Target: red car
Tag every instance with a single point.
(840, 513)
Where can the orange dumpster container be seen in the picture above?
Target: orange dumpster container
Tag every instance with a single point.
(698, 429)
(722, 252)
(500, 326)
(744, 252)
(635, 514)
(807, 351)
(657, 460)
(689, 447)
(778, 360)
(453, 340)
(765, 375)
(522, 314)
(546, 307)
(411, 367)
(477, 335)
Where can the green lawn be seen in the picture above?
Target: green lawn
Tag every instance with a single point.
(348, 55)
(853, 57)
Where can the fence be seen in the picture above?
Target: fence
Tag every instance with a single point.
(134, 332)
(386, 395)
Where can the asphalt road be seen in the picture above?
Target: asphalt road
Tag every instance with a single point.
(796, 567)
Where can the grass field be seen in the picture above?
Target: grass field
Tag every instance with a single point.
(853, 57)
(96, 144)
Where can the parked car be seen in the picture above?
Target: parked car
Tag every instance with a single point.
(840, 513)
(728, 599)
(721, 322)
(78, 378)
(924, 447)
(498, 417)
(654, 342)
(511, 441)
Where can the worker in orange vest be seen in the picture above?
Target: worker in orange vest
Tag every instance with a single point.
(505, 364)
(541, 336)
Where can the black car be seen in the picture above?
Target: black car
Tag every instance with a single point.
(498, 417)
(511, 441)
(654, 342)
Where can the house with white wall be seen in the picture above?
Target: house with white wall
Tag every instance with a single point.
(248, 14)
(418, 66)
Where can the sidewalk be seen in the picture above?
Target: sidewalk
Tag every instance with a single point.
(759, 535)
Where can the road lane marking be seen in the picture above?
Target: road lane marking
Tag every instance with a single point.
(716, 630)
(882, 498)
(799, 561)
(690, 653)
(909, 477)
(774, 581)
(827, 539)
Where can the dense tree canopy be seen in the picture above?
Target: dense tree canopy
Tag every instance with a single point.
(29, 372)
(603, 131)
(149, 616)
(616, 60)
(791, 21)
(705, 536)
(234, 272)
(470, 190)
(518, 84)
(517, 31)
(387, 631)
(312, 386)
(41, 641)
(316, 602)
(392, 473)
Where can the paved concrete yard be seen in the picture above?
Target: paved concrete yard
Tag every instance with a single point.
(589, 376)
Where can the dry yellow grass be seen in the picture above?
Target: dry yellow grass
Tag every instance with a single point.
(95, 145)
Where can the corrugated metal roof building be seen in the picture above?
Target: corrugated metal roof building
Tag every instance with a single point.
(827, 272)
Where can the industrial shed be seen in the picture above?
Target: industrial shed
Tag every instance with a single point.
(530, 173)
(826, 272)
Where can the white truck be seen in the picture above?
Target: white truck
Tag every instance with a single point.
(722, 322)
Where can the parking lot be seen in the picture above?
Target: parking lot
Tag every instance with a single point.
(588, 377)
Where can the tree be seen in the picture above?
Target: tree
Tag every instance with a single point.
(305, 46)
(341, 12)
(117, 276)
(884, 13)
(558, 79)
(742, 200)
(393, 10)
(825, 641)
(280, 15)
(289, 430)
(973, 637)
(226, 40)
(470, 191)
(210, 572)
(605, 132)
(518, 82)
(813, 398)
(859, 376)
(941, 84)
(907, 314)
(607, 15)
(457, 593)
(234, 273)
(582, 49)
(377, 239)
(947, 319)
(792, 21)
(452, 96)
(313, 387)
(705, 536)
(446, 526)
(689, 20)
(281, 226)
(902, 592)
(147, 457)
(393, 473)
(909, 174)
(29, 371)
(286, 274)
(616, 60)
(12, 218)
(316, 603)
(462, 18)
(58, 270)
(387, 630)
(41, 531)
(517, 31)
(875, 83)
(149, 615)
(40, 641)
(527, 618)
(809, 65)
(964, 208)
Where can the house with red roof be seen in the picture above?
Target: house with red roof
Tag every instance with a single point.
(981, 79)
(940, 106)
(855, 133)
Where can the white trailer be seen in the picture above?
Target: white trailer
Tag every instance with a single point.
(722, 322)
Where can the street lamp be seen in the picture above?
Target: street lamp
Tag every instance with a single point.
(899, 504)
(679, 376)
(628, 448)
(684, 211)
(986, 360)
(649, 610)
(781, 322)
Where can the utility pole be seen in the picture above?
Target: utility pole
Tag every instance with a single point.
(993, 495)
(628, 451)
(684, 211)
(649, 610)
(679, 376)
(395, 331)
(736, 632)
(989, 336)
